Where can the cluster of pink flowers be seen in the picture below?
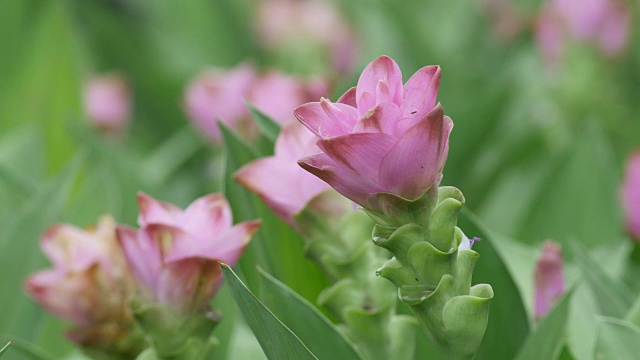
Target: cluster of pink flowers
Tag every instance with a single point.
(603, 23)
(218, 94)
(173, 259)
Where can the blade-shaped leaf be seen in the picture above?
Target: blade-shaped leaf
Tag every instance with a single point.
(5, 348)
(268, 128)
(507, 308)
(546, 342)
(26, 349)
(616, 339)
(276, 340)
(309, 324)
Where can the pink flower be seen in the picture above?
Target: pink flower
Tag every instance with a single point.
(286, 23)
(549, 279)
(174, 256)
(218, 94)
(89, 284)
(107, 102)
(630, 196)
(603, 23)
(277, 94)
(381, 136)
(283, 185)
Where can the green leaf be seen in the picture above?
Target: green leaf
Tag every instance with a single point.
(616, 339)
(268, 127)
(309, 324)
(508, 322)
(546, 342)
(276, 340)
(613, 297)
(5, 348)
(27, 349)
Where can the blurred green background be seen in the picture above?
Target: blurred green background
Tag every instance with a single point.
(538, 149)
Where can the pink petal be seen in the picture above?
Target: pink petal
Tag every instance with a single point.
(143, 256)
(630, 195)
(383, 118)
(420, 92)
(294, 142)
(207, 215)
(382, 69)
(366, 102)
(614, 31)
(344, 180)
(412, 166)
(189, 285)
(229, 245)
(349, 98)
(326, 119)
(153, 211)
(71, 248)
(281, 184)
(549, 280)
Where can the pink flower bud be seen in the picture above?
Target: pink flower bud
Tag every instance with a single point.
(107, 102)
(89, 284)
(175, 255)
(218, 94)
(277, 94)
(282, 23)
(283, 185)
(602, 23)
(630, 196)
(549, 278)
(381, 136)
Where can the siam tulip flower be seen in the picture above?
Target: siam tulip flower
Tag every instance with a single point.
(89, 285)
(218, 94)
(602, 23)
(277, 94)
(175, 254)
(283, 23)
(549, 278)
(630, 196)
(380, 137)
(107, 102)
(283, 185)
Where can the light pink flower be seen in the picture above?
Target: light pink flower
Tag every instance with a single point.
(107, 102)
(549, 278)
(174, 256)
(283, 185)
(218, 94)
(630, 196)
(381, 136)
(277, 94)
(284, 23)
(89, 284)
(602, 23)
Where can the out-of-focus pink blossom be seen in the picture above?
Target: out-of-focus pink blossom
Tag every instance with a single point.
(506, 21)
(218, 94)
(107, 102)
(602, 23)
(283, 185)
(630, 196)
(285, 22)
(174, 255)
(549, 278)
(277, 94)
(381, 136)
(89, 284)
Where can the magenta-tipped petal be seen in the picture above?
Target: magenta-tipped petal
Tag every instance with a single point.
(549, 278)
(349, 98)
(420, 92)
(381, 69)
(412, 166)
(199, 278)
(209, 214)
(153, 211)
(382, 119)
(328, 120)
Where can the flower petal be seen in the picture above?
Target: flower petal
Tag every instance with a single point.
(228, 246)
(153, 211)
(413, 165)
(420, 93)
(383, 118)
(143, 256)
(349, 98)
(382, 69)
(207, 215)
(326, 119)
(295, 141)
(189, 284)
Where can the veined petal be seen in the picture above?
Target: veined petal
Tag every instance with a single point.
(420, 92)
(338, 121)
(349, 98)
(382, 93)
(142, 254)
(363, 153)
(154, 211)
(366, 102)
(295, 141)
(381, 69)
(383, 119)
(209, 214)
(412, 166)
(265, 177)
